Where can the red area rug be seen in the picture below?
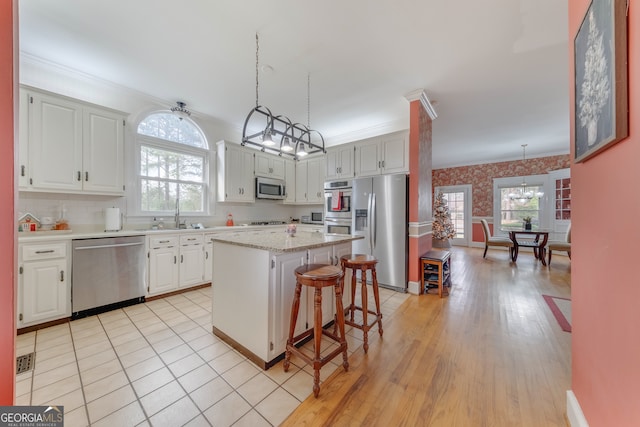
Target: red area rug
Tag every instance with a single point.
(561, 309)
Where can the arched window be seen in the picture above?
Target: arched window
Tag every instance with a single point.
(173, 165)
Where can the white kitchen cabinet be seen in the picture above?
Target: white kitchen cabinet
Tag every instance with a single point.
(290, 182)
(73, 147)
(163, 263)
(102, 151)
(176, 261)
(339, 162)
(269, 165)
(323, 255)
(208, 260)
(283, 286)
(339, 251)
(310, 181)
(265, 298)
(23, 140)
(191, 259)
(235, 173)
(44, 289)
(382, 155)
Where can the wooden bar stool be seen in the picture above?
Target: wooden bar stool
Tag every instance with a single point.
(317, 276)
(363, 262)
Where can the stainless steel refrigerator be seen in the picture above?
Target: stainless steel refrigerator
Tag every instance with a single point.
(380, 214)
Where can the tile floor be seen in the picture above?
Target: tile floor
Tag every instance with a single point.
(158, 364)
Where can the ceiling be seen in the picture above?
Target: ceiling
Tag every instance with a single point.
(496, 70)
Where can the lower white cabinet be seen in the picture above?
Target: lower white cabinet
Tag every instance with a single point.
(191, 260)
(175, 261)
(282, 291)
(283, 284)
(44, 288)
(208, 259)
(252, 294)
(163, 263)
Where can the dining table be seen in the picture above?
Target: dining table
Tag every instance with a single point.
(536, 239)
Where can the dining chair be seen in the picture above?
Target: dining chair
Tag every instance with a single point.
(560, 245)
(490, 240)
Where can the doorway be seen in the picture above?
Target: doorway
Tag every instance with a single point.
(458, 199)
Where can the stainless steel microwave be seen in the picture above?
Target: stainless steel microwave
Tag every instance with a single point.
(269, 188)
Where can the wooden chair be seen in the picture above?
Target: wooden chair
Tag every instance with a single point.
(490, 240)
(560, 245)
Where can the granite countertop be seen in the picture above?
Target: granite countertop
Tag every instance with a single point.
(92, 232)
(280, 241)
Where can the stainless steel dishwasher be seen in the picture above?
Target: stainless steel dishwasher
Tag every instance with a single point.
(106, 272)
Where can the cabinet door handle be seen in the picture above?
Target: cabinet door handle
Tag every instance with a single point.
(79, 176)
(383, 163)
(165, 241)
(86, 176)
(175, 259)
(181, 259)
(22, 170)
(206, 255)
(48, 251)
(62, 275)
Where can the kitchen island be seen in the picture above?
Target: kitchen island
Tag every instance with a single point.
(254, 283)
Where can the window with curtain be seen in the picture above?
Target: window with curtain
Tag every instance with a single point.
(173, 165)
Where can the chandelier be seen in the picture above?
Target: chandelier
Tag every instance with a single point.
(523, 194)
(278, 134)
(180, 110)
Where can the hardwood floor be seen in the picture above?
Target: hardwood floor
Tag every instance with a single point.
(489, 354)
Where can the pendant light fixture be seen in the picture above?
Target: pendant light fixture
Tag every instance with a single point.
(523, 194)
(181, 111)
(278, 134)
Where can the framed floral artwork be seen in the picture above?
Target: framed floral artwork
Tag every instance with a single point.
(601, 92)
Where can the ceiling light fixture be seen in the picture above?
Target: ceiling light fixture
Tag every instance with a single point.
(181, 111)
(523, 194)
(295, 138)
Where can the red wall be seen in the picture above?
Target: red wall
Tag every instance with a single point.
(605, 282)
(7, 208)
(480, 177)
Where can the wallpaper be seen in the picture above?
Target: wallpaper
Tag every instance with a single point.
(481, 177)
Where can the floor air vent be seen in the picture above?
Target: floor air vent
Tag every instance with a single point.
(25, 363)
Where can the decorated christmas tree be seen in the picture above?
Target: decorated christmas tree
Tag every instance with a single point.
(443, 228)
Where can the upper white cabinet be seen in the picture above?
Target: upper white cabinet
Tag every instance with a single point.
(269, 165)
(235, 173)
(310, 181)
(382, 155)
(290, 183)
(71, 147)
(339, 162)
(23, 140)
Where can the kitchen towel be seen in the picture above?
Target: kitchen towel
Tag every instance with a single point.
(336, 199)
(112, 219)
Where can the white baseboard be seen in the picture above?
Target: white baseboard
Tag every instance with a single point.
(574, 412)
(413, 288)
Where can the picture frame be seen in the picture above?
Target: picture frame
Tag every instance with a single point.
(601, 86)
